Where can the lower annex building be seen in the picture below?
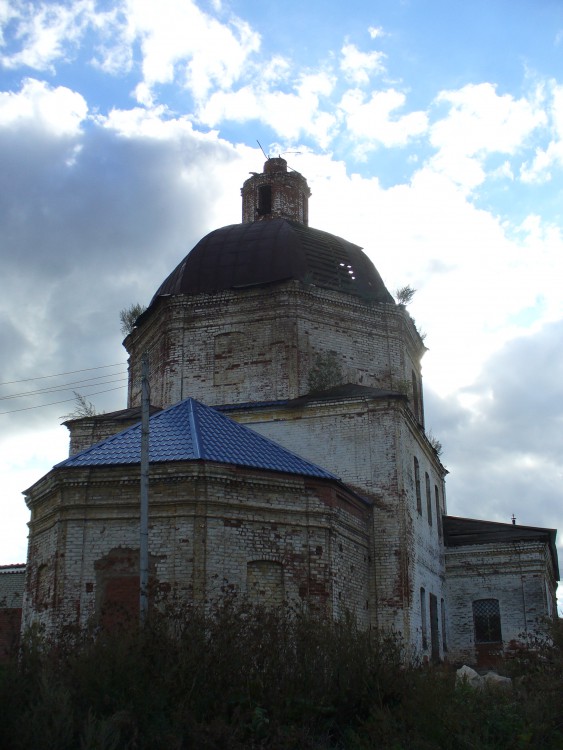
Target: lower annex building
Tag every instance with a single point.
(288, 456)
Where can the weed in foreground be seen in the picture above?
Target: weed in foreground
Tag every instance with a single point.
(243, 677)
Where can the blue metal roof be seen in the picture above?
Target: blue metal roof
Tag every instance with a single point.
(191, 431)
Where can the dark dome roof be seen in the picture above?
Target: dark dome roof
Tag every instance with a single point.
(266, 252)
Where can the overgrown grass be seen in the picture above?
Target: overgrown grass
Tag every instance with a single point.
(251, 678)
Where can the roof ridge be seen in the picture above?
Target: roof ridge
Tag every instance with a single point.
(191, 431)
(197, 436)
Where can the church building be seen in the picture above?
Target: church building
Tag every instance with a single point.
(289, 460)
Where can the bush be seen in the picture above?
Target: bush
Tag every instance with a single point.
(244, 678)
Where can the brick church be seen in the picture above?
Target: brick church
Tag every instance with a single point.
(288, 455)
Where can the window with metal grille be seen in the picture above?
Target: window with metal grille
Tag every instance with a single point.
(486, 619)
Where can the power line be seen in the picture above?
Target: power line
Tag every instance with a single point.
(67, 386)
(64, 401)
(58, 374)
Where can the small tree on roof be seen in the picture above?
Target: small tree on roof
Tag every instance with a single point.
(129, 315)
(405, 294)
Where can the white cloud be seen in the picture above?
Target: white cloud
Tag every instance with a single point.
(556, 109)
(540, 170)
(288, 114)
(116, 37)
(23, 462)
(376, 31)
(178, 41)
(374, 120)
(357, 66)
(8, 12)
(46, 31)
(151, 123)
(511, 433)
(480, 122)
(275, 70)
(481, 281)
(181, 43)
(57, 110)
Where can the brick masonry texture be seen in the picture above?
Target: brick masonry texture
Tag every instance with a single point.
(208, 523)
(518, 575)
(260, 345)
(12, 579)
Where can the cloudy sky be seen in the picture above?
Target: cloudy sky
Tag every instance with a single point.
(431, 134)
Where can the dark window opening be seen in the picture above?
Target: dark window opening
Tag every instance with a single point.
(438, 511)
(428, 499)
(415, 395)
(486, 619)
(434, 630)
(423, 617)
(265, 200)
(417, 486)
(443, 613)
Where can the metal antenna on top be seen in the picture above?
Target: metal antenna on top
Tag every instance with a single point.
(298, 153)
(261, 149)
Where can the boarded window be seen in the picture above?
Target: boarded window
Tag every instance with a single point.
(486, 620)
(230, 356)
(417, 485)
(117, 587)
(42, 588)
(264, 582)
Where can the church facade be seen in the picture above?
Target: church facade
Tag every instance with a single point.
(288, 455)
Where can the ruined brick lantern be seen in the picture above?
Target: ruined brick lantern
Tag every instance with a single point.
(276, 194)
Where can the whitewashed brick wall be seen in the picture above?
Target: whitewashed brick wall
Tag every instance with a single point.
(517, 574)
(260, 345)
(206, 524)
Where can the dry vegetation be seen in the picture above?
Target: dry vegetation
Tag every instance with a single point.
(248, 678)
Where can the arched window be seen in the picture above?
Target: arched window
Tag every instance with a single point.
(486, 620)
